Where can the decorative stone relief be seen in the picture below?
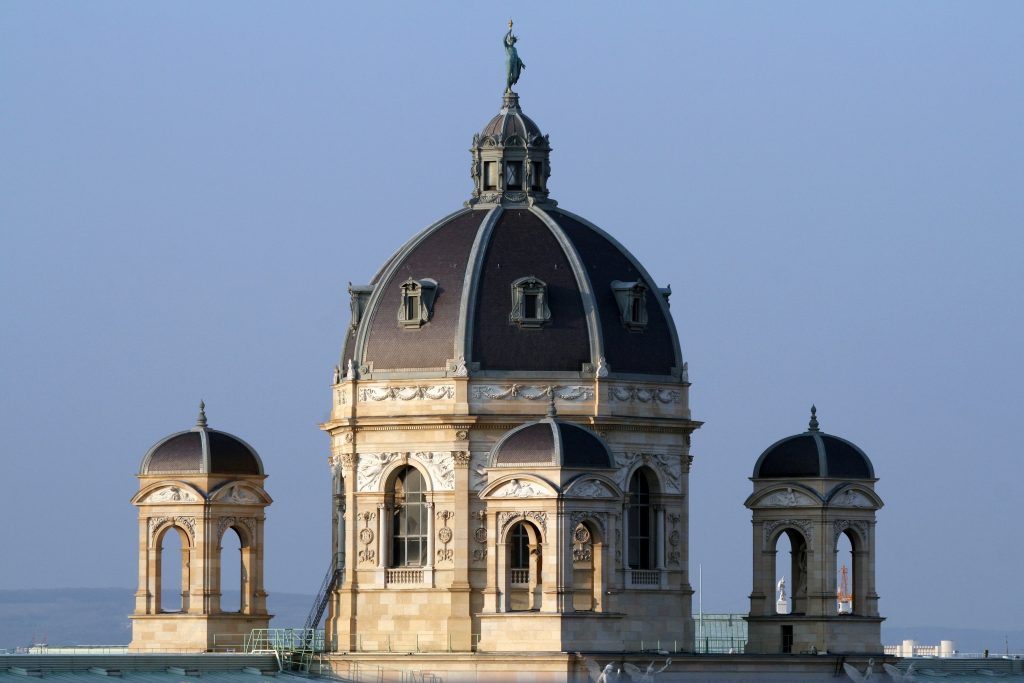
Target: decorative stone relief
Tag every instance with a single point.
(539, 517)
(480, 536)
(674, 538)
(248, 522)
(618, 545)
(408, 393)
(788, 498)
(841, 525)
(239, 495)
(339, 396)
(852, 499)
(441, 467)
(171, 494)
(367, 554)
(582, 545)
(517, 488)
(187, 523)
(803, 525)
(457, 367)
(596, 518)
(513, 392)
(668, 467)
(445, 535)
(461, 459)
(477, 472)
(590, 488)
(371, 466)
(629, 394)
(462, 435)
(340, 460)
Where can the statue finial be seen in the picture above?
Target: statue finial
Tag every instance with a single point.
(513, 65)
(201, 420)
(813, 424)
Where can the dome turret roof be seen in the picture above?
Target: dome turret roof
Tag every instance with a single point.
(551, 441)
(813, 454)
(201, 450)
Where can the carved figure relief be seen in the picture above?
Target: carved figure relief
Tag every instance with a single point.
(590, 488)
(477, 472)
(240, 495)
(171, 494)
(788, 498)
(371, 466)
(531, 392)
(441, 466)
(517, 488)
(853, 499)
(629, 394)
(408, 393)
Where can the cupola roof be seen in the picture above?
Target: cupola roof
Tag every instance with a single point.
(551, 441)
(201, 450)
(813, 454)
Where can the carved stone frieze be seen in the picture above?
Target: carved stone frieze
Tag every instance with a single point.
(597, 518)
(530, 392)
(641, 394)
(669, 467)
(803, 525)
(436, 392)
(225, 522)
(186, 523)
(371, 467)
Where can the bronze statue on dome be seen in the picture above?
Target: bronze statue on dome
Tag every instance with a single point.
(513, 65)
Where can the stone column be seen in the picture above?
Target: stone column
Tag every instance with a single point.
(382, 538)
(430, 536)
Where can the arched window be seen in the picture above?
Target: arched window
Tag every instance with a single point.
(231, 590)
(520, 550)
(173, 570)
(846, 568)
(409, 535)
(791, 566)
(639, 531)
(522, 587)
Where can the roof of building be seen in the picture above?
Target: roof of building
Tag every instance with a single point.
(813, 454)
(201, 450)
(551, 441)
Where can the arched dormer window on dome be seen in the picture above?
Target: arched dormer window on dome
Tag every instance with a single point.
(632, 300)
(530, 302)
(417, 303)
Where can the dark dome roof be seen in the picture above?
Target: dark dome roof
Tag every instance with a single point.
(511, 121)
(201, 451)
(551, 442)
(473, 257)
(813, 454)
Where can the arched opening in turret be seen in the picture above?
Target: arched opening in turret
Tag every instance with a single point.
(846, 573)
(587, 567)
(232, 590)
(640, 527)
(409, 519)
(790, 572)
(523, 560)
(172, 570)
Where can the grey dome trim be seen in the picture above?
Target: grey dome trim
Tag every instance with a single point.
(392, 264)
(582, 280)
(467, 306)
(651, 284)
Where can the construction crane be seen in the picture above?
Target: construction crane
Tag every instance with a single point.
(844, 598)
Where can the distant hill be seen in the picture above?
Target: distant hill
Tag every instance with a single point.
(99, 616)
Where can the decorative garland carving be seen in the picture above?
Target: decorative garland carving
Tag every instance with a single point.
(440, 465)
(667, 466)
(841, 525)
(639, 394)
(674, 538)
(804, 525)
(186, 523)
(445, 535)
(532, 392)
(539, 517)
(435, 392)
(371, 467)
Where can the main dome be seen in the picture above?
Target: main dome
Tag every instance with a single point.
(511, 283)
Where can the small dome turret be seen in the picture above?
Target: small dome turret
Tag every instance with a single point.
(813, 454)
(551, 441)
(201, 450)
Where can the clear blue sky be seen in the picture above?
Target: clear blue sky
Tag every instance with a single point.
(833, 190)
